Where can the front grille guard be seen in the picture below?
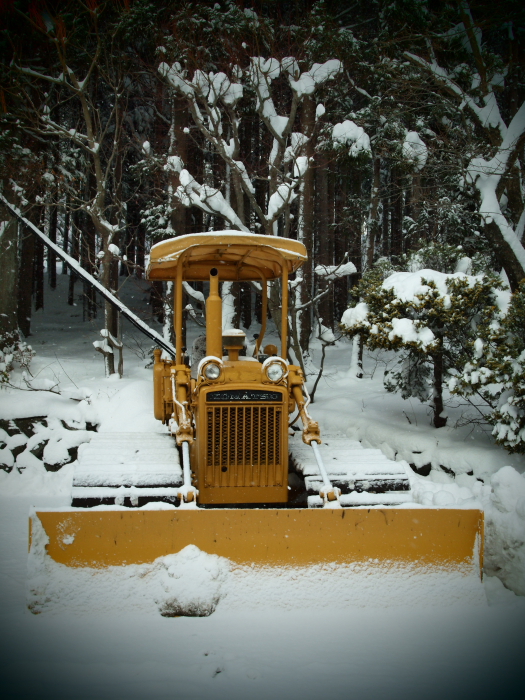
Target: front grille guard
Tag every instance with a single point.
(244, 446)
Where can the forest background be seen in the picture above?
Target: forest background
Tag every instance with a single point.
(386, 136)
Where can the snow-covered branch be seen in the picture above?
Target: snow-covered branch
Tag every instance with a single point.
(488, 115)
(488, 174)
(212, 99)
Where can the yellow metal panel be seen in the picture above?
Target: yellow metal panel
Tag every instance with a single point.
(274, 537)
(230, 445)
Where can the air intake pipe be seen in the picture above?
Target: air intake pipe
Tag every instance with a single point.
(214, 317)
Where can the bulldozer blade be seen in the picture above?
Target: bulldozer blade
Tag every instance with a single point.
(449, 539)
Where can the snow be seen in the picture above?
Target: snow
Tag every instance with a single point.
(198, 296)
(246, 178)
(383, 631)
(349, 133)
(409, 332)
(209, 199)
(279, 200)
(174, 164)
(332, 272)
(234, 331)
(506, 528)
(319, 73)
(408, 285)
(414, 150)
(486, 175)
(355, 315)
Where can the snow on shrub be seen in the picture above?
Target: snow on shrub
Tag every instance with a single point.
(496, 371)
(430, 318)
(13, 350)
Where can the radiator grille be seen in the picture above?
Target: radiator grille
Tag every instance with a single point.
(243, 446)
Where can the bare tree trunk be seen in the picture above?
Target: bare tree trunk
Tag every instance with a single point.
(396, 203)
(246, 304)
(51, 255)
(340, 287)
(322, 246)
(373, 219)
(88, 263)
(257, 308)
(437, 358)
(65, 245)
(38, 275)
(8, 273)
(178, 147)
(74, 254)
(304, 317)
(506, 256)
(25, 281)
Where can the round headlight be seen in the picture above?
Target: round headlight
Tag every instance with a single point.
(275, 371)
(212, 371)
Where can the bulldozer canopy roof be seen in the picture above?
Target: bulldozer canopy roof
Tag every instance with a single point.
(237, 256)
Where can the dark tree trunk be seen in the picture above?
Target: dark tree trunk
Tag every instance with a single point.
(65, 244)
(88, 263)
(304, 317)
(506, 256)
(396, 208)
(246, 132)
(322, 247)
(38, 274)
(74, 254)
(373, 221)
(140, 245)
(8, 273)
(179, 148)
(195, 217)
(257, 308)
(25, 281)
(439, 420)
(133, 230)
(340, 293)
(51, 255)
(157, 300)
(386, 243)
(246, 304)
(236, 293)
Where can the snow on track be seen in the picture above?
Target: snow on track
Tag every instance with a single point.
(127, 465)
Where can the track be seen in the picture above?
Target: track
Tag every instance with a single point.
(128, 469)
(365, 476)
(132, 469)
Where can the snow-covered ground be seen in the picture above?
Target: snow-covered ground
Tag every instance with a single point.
(330, 633)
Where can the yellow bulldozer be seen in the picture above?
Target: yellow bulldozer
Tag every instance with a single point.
(249, 488)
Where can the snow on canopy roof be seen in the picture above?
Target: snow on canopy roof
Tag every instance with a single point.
(236, 255)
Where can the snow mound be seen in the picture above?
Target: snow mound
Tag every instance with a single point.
(505, 529)
(192, 581)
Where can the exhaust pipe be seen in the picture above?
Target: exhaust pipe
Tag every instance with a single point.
(214, 317)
